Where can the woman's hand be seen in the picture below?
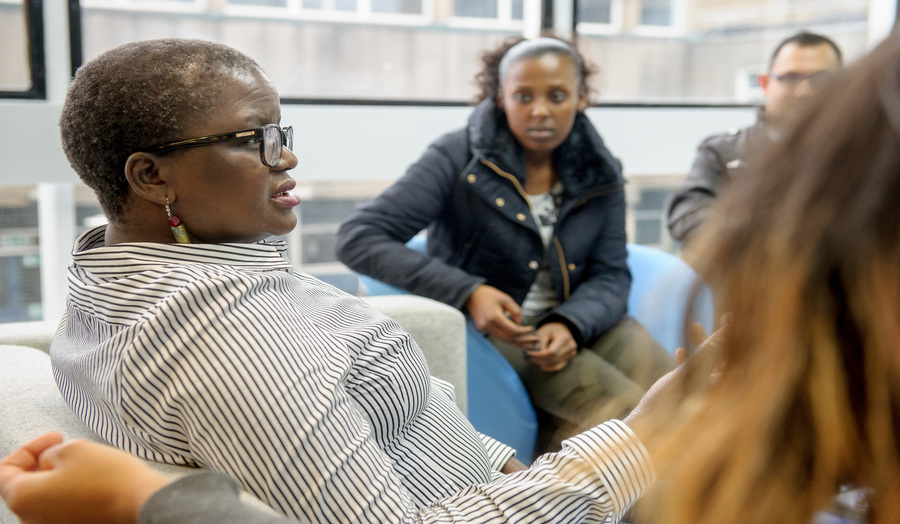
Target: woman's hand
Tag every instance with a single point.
(555, 347)
(496, 314)
(46, 481)
(708, 360)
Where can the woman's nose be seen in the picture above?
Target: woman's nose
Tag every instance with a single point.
(289, 159)
(540, 108)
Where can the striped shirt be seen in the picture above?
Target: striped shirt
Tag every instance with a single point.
(222, 356)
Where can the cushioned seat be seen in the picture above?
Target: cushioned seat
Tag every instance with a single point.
(661, 287)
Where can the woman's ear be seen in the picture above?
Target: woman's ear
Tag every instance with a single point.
(582, 101)
(500, 101)
(142, 170)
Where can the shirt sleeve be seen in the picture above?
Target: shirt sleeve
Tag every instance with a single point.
(498, 452)
(597, 475)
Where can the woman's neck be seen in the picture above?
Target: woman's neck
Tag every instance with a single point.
(539, 175)
(119, 232)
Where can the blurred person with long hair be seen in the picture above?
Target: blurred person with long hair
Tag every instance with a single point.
(805, 258)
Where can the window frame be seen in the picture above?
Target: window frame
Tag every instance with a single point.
(34, 27)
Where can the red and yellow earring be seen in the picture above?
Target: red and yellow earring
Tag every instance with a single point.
(178, 229)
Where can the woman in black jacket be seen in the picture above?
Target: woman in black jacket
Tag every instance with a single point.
(525, 211)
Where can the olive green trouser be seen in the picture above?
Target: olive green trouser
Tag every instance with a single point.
(603, 381)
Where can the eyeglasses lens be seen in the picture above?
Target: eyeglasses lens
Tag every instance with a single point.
(817, 79)
(272, 145)
(289, 137)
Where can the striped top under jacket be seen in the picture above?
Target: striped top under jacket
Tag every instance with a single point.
(221, 356)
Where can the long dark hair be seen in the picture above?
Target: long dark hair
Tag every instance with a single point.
(804, 254)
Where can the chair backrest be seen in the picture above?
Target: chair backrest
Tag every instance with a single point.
(660, 295)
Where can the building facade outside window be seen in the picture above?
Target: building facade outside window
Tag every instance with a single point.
(414, 52)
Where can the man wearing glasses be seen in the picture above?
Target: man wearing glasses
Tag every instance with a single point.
(799, 66)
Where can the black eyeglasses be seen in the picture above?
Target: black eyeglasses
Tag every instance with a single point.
(272, 139)
(816, 80)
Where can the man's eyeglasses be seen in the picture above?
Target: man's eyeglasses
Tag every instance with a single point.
(816, 80)
(272, 139)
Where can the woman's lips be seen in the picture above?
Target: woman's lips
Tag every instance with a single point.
(284, 195)
(286, 199)
(540, 133)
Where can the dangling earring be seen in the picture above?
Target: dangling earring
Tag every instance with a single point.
(178, 229)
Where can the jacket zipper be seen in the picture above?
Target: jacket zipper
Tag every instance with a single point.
(559, 250)
(562, 267)
(512, 179)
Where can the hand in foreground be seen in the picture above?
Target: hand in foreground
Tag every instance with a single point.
(555, 347)
(498, 315)
(706, 359)
(46, 481)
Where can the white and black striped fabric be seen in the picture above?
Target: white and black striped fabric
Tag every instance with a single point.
(221, 356)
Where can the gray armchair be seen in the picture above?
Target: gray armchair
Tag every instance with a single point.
(30, 403)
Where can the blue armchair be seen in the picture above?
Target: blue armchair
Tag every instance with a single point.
(661, 287)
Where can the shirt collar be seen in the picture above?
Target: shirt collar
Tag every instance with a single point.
(124, 259)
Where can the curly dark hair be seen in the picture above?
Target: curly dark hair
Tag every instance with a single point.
(489, 78)
(137, 95)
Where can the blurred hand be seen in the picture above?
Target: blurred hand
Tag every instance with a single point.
(555, 347)
(496, 314)
(705, 365)
(46, 481)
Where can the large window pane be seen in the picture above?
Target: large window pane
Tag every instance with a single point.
(20, 279)
(649, 231)
(475, 8)
(594, 11)
(397, 6)
(392, 50)
(15, 70)
(657, 12)
(518, 9)
(704, 51)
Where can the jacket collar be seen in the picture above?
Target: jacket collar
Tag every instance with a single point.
(582, 161)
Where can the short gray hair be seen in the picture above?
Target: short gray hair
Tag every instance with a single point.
(137, 95)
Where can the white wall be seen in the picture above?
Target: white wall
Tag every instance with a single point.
(377, 142)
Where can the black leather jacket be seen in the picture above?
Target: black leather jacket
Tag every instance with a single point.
(720, 158)
(468, 190)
